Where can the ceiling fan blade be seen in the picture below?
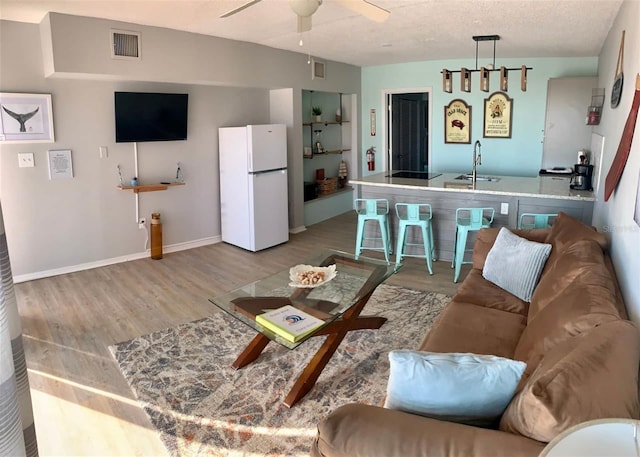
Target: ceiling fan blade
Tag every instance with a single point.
(240, 8)
(367, 9)
(304, 23)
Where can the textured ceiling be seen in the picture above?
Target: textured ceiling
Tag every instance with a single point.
(416, 30)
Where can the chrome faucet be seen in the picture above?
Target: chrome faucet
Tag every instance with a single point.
(477, 160)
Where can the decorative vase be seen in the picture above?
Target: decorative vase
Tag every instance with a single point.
(342, 174)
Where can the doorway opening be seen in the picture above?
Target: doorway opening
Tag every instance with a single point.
(407, 130)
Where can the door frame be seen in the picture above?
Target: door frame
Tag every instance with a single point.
(386, 134)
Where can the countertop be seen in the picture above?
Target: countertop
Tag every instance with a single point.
(539, 186)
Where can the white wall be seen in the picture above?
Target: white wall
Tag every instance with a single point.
(615, 217)
(59, 226)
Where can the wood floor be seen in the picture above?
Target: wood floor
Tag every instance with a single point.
(82, 404)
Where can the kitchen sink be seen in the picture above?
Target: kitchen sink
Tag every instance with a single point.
(478, 178)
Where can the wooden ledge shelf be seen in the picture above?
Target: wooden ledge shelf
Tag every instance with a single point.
(339, 191)
(150, 187)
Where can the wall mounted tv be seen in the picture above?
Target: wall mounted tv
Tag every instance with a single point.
(146, 116)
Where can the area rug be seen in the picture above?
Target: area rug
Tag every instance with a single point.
(201, 406)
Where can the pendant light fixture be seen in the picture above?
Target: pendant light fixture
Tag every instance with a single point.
(485, 72)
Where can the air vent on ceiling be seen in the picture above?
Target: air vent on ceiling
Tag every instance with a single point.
(125, 45)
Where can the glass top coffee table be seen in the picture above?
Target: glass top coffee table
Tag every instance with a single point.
(338, 303)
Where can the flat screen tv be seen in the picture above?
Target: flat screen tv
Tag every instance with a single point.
(146, 116)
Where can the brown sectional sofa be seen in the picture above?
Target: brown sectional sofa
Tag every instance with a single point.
(582, 357)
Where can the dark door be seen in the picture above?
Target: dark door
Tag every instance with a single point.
(408, 132)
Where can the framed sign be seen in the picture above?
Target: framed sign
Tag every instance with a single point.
(498, 112)
(457, 122)
(60, 165)
(372, 121)
(26, 118)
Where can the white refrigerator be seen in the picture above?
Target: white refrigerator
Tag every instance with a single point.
(254, 198)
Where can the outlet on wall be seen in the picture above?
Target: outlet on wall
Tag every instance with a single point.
(25, 159)
(142, 223)
(504, 208)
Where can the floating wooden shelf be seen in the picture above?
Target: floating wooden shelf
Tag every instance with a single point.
(150, 187)
(339, 191)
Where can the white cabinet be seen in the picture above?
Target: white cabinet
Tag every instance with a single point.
(566, 130)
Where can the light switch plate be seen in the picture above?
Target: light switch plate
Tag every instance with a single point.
(25, 159)
(104, 152)
(504, 208)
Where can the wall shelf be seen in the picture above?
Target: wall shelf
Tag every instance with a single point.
(339, 191)
(308, 124)
(333, 151)
(149, 187)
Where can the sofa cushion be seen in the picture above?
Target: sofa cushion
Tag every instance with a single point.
(581, 264)
(357, 430)
(477, 290)
(486, 238)
(464, 327)
(567, 230)
(581, 297)
(589, 376)
(457, 387)
(515, 263)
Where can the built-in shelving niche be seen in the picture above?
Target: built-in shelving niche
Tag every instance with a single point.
(336, 139)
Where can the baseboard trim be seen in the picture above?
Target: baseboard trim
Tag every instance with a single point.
(300, 229)
(125, 258)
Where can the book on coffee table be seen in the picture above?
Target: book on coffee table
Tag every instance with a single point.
(290, 323)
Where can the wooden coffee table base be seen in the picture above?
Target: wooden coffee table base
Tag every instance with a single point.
(337, 330)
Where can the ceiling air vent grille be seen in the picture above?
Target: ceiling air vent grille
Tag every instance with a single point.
(125, 45)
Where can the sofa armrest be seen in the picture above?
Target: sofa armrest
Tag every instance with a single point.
(487, 237)
(357, 430)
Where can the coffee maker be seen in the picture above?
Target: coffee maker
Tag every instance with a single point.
(581, 179)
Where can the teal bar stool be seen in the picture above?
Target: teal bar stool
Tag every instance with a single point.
(415, 215)
(370, 209)
(468, 219)
(535, 220)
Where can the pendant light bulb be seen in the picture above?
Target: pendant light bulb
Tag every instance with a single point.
(301, 43)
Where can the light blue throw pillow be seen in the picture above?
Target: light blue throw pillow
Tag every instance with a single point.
(515, 264)
(459, 387)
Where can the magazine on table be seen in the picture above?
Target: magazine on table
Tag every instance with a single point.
(290, 323)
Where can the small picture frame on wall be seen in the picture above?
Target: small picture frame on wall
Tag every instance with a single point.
(26, 118)
(317, 69)
(372, 122)
(498, 112)
(457, 122)
(60, 164)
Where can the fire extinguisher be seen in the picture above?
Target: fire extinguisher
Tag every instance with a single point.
(371, 158)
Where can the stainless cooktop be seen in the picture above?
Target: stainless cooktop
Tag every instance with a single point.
(414, 175)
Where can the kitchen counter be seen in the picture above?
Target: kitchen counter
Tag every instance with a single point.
(510, 196)
(555, 187)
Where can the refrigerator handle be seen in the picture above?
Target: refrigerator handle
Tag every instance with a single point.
(267, 171)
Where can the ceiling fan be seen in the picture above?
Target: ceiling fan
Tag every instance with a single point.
(305, 9)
